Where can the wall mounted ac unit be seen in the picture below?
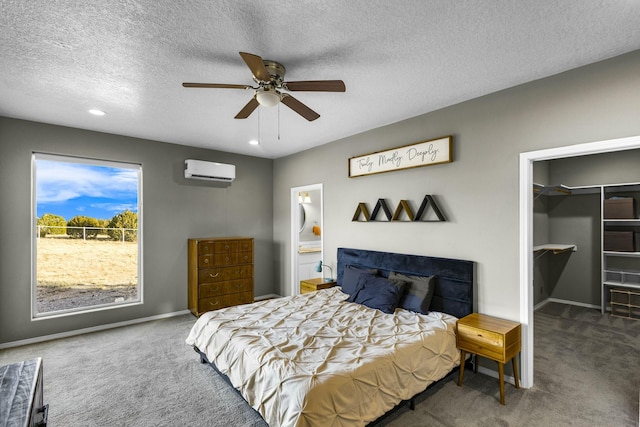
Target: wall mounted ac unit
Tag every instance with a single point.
(210, 171)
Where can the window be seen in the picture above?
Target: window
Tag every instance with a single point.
(87, 235)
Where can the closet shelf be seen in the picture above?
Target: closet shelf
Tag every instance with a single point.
(622, 254)
(563, 190)
(556, 248)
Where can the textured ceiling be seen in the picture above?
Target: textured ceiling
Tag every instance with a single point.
(398, 60)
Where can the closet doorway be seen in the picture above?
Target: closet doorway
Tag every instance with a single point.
(526, 231)
(307, 230)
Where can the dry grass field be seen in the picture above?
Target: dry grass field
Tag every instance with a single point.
(74, 273)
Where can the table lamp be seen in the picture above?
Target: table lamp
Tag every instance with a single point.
(319, 266)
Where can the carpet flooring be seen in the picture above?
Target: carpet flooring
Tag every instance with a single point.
(586, 374)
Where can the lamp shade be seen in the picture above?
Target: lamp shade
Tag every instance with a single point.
(267, 97)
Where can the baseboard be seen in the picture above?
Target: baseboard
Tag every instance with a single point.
(567, 302)
(89, 330)
(267, 296)
(490, 372)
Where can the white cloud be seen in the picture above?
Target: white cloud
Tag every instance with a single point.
(61, 181)
(116, 207)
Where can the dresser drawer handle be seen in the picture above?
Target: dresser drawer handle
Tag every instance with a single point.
(206, 261)
(217, 288)
(214, 275)
(213, 304)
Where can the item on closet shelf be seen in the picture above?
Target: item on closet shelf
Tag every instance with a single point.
(620, 208)
(625, 303)
(316, 230)
(619, 241)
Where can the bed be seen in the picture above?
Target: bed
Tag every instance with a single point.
(340, 356)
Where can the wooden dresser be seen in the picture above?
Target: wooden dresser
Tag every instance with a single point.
(220, 273)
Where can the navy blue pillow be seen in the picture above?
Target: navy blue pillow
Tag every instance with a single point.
(350, 278)
(418, 291)
(377, 292)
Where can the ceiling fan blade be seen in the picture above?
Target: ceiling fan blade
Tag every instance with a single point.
(256, 65)
(299, 107)
(247, 109)
(216, 86)
(317, 85)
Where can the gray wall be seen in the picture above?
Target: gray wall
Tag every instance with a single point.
(478, 192)
(174, 210)
(576, 219)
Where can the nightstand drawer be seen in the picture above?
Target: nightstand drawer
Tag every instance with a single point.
(481, 348)
(483, 339)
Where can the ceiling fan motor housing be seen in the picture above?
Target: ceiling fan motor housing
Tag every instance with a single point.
(276, 70)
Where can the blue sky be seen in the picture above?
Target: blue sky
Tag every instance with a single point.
(70, 189)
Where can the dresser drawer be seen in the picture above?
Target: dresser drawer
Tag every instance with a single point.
(206, 247)
(224, 259)
(226, 246)
(222, 288)
(222, 301)
(217, 260)
(223, 274)
(245, 245)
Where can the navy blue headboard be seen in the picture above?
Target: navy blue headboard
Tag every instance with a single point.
(454, 287)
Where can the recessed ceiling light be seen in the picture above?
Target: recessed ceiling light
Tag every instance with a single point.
(254, 142)
(97, 112)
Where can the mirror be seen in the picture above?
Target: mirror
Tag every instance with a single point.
(303, 216)
(306, 234)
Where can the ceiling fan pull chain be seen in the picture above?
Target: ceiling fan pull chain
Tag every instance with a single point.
(278, 122)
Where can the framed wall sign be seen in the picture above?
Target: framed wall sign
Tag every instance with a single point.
(425, 153)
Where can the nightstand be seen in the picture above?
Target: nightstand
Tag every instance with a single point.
(312, 285)
(490, 337)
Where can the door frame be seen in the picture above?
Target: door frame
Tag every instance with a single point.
(295, 231)
(526, 230)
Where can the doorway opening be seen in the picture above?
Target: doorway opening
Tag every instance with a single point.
(526, 231)
(307, 233)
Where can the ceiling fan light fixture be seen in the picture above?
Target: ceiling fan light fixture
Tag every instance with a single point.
(268, 97)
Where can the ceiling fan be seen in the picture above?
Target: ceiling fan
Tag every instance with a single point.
(272, 89)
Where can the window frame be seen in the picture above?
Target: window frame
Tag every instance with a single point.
(35, 156)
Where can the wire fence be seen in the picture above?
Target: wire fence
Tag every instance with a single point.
(116, 234)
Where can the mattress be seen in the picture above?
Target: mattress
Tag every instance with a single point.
(316, 360)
